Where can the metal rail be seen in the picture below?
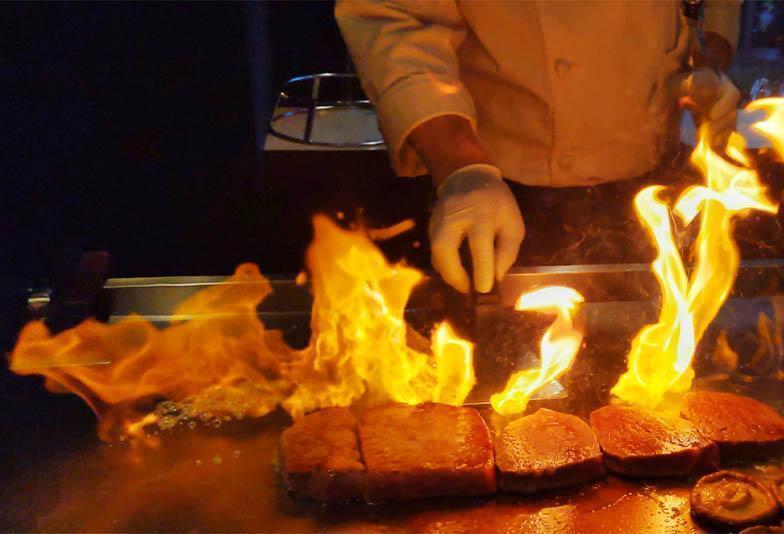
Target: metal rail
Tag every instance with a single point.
(313, 104)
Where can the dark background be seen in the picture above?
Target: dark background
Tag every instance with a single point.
(135, 128)
(130, 127)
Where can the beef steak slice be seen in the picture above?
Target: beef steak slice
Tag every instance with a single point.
(547, 450)
(642, 443)
(427, 450)
(320, 456)
(744, 428)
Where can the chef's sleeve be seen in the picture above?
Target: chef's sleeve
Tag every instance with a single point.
(405, 54)
(723, 17)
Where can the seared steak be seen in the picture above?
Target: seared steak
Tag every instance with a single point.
(320, 456)
(642, 443)
(728, 499)
(546, 450)
(426, 450)
(744, 428)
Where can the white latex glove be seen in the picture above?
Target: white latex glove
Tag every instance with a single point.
(475, 202)
(723, 114)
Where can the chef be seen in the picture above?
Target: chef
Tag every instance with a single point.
(538, 92)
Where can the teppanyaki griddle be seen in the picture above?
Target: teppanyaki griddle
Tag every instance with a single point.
(224, 478)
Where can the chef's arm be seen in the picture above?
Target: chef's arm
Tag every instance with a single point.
(445, 144)
(405, 54)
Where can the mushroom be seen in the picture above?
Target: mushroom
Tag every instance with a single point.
(729, 499)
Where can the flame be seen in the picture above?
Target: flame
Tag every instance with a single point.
(769, 354)
(559, 346)
(454, 366)
(724, 357)
(220, 361)
(359, 334)
(773, 126)
(216, 359)
(661, 355)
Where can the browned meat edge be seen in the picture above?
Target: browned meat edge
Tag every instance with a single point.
(681, 463)
(746, 446)
(700, 458)
(568, 475)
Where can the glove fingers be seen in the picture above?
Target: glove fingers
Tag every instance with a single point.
(507, 247)
(445, 256)
(480, 240)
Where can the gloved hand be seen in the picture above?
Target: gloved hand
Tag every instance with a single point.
(475, 202)
(720, 122)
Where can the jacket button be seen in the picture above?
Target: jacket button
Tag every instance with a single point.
(566, 162)
(562, 67)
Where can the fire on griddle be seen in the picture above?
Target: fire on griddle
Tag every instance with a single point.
(413, 438)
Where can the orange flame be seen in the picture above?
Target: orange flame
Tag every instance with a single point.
(769, 355)
(559, 346)
(773, 126)
(359, 334)
(220, 361)
(217, 360)
(454, 366)
(661, 355)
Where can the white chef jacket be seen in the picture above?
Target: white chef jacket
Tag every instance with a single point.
(558, 92)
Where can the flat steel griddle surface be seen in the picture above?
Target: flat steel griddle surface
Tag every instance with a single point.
(224, 479)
